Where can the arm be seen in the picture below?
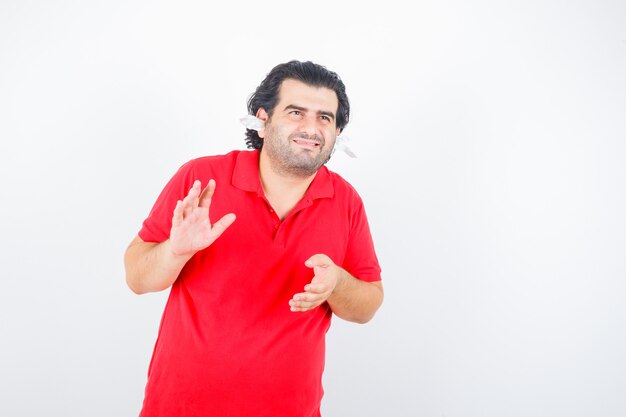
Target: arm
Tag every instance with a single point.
(151, 266)
(155, 266)
(348, 297)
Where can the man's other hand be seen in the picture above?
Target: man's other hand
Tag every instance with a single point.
(327, 275)
(191, 227)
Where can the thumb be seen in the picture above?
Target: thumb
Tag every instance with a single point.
(222, 224)
(318, 260)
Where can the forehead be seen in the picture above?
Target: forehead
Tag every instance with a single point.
(294, 92)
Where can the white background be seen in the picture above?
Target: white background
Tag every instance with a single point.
(491, 138)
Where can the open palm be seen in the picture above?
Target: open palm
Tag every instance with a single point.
(191, 227)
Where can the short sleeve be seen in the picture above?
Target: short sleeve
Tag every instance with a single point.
(156, 227)
(361, 260)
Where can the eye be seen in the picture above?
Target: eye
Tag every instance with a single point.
(326, 119)
(295, 115)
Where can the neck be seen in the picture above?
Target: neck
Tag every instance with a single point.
(281, 189)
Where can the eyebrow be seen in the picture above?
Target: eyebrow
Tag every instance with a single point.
(304, 109)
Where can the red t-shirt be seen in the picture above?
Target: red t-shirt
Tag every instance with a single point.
(228, 343)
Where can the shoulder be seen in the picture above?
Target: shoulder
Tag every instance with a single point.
(342, 188)
(216, 164)
(206, 167)
(214, 160)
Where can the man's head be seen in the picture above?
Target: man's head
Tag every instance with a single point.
(266, 96)
(300, 136)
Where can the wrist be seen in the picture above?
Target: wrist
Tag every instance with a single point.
(172, 256)
(341, 282)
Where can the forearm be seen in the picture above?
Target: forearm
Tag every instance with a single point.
(355, 300)
(151, 267)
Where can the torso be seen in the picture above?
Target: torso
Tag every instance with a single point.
(227, 332)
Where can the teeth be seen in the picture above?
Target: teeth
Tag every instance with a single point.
(306, 142)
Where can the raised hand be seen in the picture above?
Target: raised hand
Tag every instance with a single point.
(327, 275)
(191, 227)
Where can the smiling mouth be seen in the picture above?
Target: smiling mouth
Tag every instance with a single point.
(307, 143)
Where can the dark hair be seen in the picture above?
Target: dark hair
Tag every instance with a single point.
(266, 94)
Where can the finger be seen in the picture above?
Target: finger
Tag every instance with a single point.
(298, 306)
(298, 297)
(190, 200)
(207, 194)
(195, 188)
(304, 305)
(194, 193)
(188, 197)
(177, 217)
(319, 259)
(308, 299)
(301, 309)
(316, 288)
(222, 224)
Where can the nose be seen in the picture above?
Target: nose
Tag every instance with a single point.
(310, 126)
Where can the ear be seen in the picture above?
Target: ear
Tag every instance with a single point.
(262, 114)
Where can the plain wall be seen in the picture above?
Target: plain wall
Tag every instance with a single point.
(491, 140)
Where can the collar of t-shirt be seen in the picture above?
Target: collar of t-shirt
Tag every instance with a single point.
(246, 177)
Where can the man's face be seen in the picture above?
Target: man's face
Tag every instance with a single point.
(299, 137)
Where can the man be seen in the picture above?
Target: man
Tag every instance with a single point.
(252, 294)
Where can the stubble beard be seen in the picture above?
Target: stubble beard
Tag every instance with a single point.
(293, 162)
